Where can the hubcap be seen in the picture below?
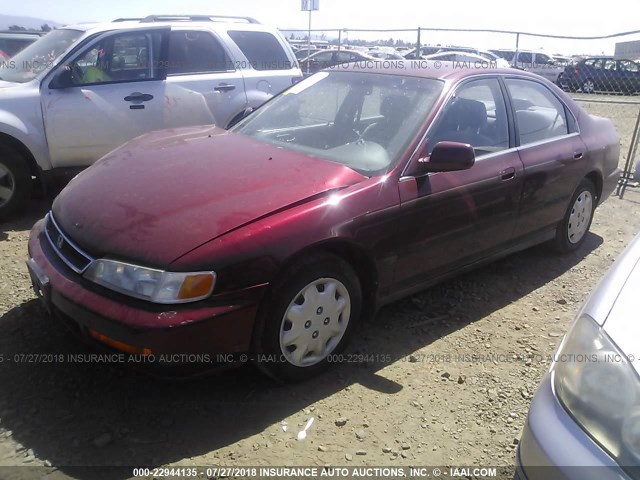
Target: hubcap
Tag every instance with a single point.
(315, 322)
(7, 185)
(580, 217)
(588, 87)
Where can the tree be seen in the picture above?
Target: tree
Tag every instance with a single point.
(45, 28)
(292, 36)
(17, 28)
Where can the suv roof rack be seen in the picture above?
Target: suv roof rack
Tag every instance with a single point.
(189, 18)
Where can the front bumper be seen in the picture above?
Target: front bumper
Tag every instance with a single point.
(222, 324)
(554, 447)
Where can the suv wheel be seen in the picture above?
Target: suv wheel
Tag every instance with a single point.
(15, 181)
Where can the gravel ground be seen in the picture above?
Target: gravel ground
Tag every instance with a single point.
(422, 400)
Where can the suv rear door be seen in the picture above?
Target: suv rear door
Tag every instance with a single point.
(269, 65)
(198, 61)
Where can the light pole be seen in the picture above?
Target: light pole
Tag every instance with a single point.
(309, 5)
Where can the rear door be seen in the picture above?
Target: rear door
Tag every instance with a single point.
(609, 78)
(199, 63)
(551, 151)
(117, 94)
(270, 65)
(546, 67)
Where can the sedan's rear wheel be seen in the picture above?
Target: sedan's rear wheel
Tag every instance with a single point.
(573, 229)
(307, 318)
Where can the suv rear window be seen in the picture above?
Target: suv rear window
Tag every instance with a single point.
(262, 49)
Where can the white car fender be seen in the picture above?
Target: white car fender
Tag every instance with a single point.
(31, 136)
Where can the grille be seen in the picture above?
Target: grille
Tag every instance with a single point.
(72, 255)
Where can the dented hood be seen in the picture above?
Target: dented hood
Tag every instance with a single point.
(165, 193)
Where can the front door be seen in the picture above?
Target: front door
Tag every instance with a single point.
(451, 219)
(117, 94)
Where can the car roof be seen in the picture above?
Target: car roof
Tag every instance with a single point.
(428, 69)
(174, 21)
(21, 33)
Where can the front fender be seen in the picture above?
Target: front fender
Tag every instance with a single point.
(29, 135)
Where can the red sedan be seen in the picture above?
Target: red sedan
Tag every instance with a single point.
(351, 189)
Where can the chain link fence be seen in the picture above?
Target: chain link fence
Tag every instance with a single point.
(602, 73)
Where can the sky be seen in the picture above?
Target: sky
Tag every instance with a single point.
(541, 16)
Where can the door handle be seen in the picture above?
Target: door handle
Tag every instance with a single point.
(224, 87)
(577, 155)
(508, 173)
(138, 97)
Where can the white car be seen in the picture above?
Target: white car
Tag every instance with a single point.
(474, 60)
(533, 61)
(81, 91)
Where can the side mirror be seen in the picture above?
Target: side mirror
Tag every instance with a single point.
(244, 114)
(445, 157)
(63, 78)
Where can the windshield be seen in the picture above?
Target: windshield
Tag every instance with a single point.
(362, 120)
(39, 56)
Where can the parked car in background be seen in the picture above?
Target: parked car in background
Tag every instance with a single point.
(605, 74)
(472, 59)
(81, 91)
(533, 61)
(351, 189)
(562, 60)
(585, 412)
(303, 53)
(385, 54)
(330, 58)
(12, 41)
(424, 51)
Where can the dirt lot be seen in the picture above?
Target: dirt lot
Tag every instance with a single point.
(426, 406)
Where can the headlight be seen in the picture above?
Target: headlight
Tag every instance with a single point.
(150, 284)
(599, 387)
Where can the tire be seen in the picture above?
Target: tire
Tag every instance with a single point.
(291, 305)
(573, 228)
(15, 182)
(588, 86)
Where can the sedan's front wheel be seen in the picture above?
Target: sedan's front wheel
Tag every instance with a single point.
(308, 317)
(573, 229)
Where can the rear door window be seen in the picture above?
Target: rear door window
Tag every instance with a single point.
(262, 49)
(629, 66)
(196, 52)
(539, 113)
(525, 57)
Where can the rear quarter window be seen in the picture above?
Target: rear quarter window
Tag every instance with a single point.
(262, 49)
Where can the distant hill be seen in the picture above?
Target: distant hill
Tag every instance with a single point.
(30, 23)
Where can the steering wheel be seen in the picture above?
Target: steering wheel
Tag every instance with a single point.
(76, 73)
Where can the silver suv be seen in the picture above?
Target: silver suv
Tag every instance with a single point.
(532, 61)
(81, 91)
